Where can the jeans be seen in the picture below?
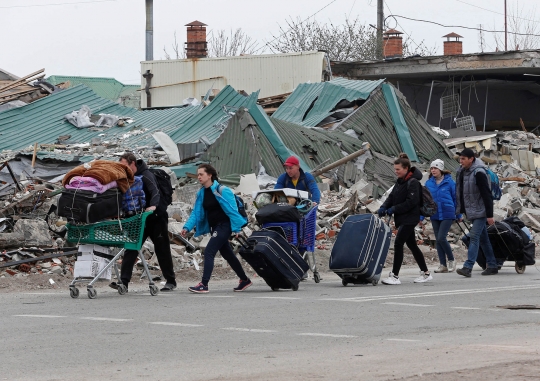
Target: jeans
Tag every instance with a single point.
(441, 229)
(406, 235)
(156, 228)
(220, 242)
(479, 238)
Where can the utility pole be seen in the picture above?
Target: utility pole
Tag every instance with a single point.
(149, 30)
(380, 26)
(505, 29)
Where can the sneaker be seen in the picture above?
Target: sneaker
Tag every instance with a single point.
(451, 266)
(466, 272)
(115, 286)
(392, 279)
(199, 289)
(242, 285)
(423, 278)
(168, 287)
(490, 271)
(441, 269)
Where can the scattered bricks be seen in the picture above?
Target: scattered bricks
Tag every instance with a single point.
(11, 272)
(25, 268)
(57, 270)
(332, 233)
(320, 236)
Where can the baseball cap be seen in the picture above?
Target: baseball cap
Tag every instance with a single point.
(291, 161)
(467, 152)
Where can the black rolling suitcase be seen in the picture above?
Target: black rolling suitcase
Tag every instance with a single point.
(360, 250)
(89, 207)
(274, 259)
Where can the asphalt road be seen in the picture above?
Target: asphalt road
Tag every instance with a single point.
(451, 327)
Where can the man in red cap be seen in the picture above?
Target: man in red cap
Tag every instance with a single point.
(295, 178)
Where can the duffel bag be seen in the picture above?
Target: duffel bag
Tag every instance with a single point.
(278, 212)
(89, 207)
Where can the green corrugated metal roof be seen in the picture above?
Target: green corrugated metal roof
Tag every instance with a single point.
(108, 88)
(212, 120)
(43, 121)
(309, 104)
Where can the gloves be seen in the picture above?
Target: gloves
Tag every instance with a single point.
(389, 212)
(381, 212)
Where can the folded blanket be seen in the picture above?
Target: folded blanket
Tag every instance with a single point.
(89, 184)
(105, 172)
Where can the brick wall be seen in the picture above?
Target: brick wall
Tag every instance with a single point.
(452, 48)
(393, 46)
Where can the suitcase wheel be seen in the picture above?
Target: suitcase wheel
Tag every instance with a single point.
(374, 282)
(275, 288)
(344, 282)
(520, 269)
(316, 277)
(295, 288)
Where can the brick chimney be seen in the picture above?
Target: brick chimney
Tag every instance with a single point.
(453, 47)
(196, 45)
(393, 44)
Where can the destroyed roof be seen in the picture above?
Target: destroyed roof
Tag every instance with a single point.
(212, 120)
(43, 121)
(310, 103)
(108, 88)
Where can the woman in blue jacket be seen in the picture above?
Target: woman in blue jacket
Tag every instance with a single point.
(443, 189)
(216, 212)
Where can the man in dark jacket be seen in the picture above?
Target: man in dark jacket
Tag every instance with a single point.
(475, 201)
(295, 178)
(156, 226)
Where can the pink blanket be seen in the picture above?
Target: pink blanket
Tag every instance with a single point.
(89, 184)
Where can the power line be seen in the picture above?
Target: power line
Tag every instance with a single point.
(398, 24)
(462, 27)
(287, 31)
(54, 4)
(499, 13)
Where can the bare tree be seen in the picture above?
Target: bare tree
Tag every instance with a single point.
(351, 41)
(177, 52)
(222, 44)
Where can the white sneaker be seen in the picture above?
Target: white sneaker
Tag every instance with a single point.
(423, 278)
(442, 269)
(451, 266)
(392, 279)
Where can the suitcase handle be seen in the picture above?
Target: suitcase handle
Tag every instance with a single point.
(246, 243)
(464, 223)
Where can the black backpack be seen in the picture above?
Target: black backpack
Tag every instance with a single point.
(239, 203)
(163, 181)
(428, 207)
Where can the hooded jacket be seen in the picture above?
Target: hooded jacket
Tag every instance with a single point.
(306, 182)
(444, 194)
(405, 198)
(473, 192)
(227, 201)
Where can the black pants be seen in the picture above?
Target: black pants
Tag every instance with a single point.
(156, 228)
(220, 242)
(405, 235)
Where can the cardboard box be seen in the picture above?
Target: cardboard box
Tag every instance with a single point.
(89, 263)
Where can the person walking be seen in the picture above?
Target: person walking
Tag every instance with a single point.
(443, 190)
(474, 200)
(295, 178)
(404, 203)
(156, 226)
(215, 211)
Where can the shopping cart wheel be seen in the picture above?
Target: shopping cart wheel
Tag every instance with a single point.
(92, 293)
(374, 282)
(295, 288)
(74, 292)
(344, 282)
(520, 269)
(316, 277)
(122, 289)
(154, 290)
(275, 288)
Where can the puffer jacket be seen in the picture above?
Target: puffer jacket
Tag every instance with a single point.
(227, 201)
(444, 194)
(405, 198)
(473, 186)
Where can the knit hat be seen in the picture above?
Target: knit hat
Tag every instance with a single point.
(291, 161)
(439, 164)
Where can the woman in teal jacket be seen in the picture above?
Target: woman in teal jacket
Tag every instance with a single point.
(215, 211)
(443, 189)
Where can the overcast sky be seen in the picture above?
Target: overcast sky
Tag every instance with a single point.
(106, 38)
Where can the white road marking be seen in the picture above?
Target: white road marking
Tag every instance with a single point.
(104, 319)
(176, 324)
(213, 296)
(44, 293)
(41, 316)
(249, 330)
(409, 304)
(466, 308)
(323, 335)
(534, 312)
(275, 297)
(404, 340)
(434, 293)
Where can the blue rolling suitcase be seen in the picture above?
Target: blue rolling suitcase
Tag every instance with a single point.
(360, 250)
(274, 259)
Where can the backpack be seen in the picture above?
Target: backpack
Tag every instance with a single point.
(428, 207)
(239, 203)
(493, 181)
(134, 199)
(163, 181)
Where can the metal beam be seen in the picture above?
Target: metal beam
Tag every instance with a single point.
(380, 27)
(429, 100)
(149, 30)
